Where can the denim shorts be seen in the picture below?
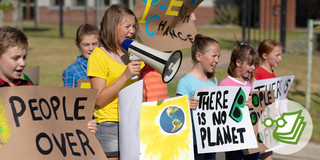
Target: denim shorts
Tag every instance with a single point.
(108, 135)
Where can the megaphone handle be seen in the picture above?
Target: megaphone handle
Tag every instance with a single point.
(134, 58)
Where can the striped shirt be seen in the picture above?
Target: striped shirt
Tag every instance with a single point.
(153, 87)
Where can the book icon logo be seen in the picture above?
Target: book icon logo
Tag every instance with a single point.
(285, 127)
(289, 127)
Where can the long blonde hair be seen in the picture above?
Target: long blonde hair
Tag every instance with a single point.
(109, 24)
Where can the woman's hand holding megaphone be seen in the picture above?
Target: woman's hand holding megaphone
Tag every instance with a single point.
(133, 68)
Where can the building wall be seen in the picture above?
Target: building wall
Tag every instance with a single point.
(77, 17)
(267, 19)
(204, 13)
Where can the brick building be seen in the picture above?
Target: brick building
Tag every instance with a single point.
(47, 11)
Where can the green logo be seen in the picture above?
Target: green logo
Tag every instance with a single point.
(289, 127)
(285, 127)
(238, 103)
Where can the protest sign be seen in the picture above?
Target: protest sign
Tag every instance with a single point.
(32, 75)
(47, 123)
(280, 85)
(83, 83)
(165, 129)
(130, 99)
(221, 119)
(165, 24)
(260, 100)
(154, 130)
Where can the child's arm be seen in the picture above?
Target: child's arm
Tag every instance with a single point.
(106, 93)
(193, 102)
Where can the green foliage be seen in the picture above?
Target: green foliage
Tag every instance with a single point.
(6, 5)
(229, 14)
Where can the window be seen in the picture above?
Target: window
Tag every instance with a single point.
(79, 2)
(56, 2)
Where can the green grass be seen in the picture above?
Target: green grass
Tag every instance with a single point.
(53, 54)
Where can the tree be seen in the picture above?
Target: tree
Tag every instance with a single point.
(16, 18)
(5, 6)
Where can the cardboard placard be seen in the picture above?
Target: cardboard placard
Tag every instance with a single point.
(221, 119)
(84, 83)
(32, 75)
(154, 130)
(165, 25)
(260, 100)
(47, 123)
(280, 85)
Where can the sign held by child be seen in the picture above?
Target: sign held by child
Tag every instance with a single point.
(47, 123)
(222, 120)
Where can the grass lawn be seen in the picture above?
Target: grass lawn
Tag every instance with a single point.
(53, 54)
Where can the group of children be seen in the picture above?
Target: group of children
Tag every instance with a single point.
(109, 70)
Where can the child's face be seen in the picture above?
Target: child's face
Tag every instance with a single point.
(274, 57)
(246, 70)
(12, 63)
(126, 29)
(210, 59)
(88, 44)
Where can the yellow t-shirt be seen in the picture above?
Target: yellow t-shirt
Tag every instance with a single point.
(102, 66)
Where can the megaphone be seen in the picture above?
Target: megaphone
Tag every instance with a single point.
(167, 64)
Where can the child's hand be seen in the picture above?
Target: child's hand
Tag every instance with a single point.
(133, 68)
(92, 126)
(249, 101)
(193, 102)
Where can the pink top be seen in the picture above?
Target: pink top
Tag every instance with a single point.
(229, 81)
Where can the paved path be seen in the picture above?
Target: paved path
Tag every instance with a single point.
(310, 152)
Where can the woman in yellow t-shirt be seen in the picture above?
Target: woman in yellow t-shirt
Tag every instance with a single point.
(110, 70)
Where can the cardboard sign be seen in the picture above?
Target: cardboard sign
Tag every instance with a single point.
(32, 75)
(154, 130)
(280, 85)
(221, 119)
(47, 123)
(260, 100)
(166, 130)
(164, 24)
(84, 83)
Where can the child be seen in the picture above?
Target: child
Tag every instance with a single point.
(205, 56)
(13, 56)
(13, 59)
(110, 70)
(270, 54)
(87, 39)
(243, 62)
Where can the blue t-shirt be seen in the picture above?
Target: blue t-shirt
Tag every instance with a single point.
(188, 84)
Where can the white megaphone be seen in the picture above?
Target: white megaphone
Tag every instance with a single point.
(167, 64)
